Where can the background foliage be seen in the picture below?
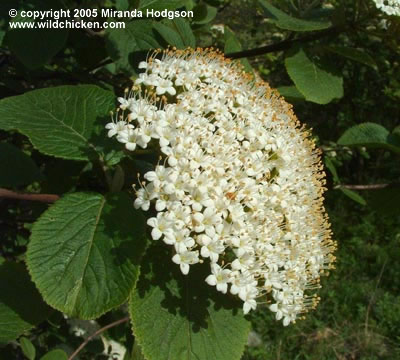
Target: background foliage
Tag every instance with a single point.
(336, 61)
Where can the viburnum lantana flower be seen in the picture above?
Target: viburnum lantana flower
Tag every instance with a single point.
(240, 186)
(390, 7)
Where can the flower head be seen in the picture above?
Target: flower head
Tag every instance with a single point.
(240, 186)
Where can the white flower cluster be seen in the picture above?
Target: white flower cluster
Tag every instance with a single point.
(240, 186)
(390, 7)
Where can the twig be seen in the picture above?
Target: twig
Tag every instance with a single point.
(47, 198)
(285, 44)
(288, 43)
(368, 187)
(100, 64)
(115, 323)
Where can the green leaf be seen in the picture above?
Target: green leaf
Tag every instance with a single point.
(182, 27)
(203, 14)
(27, 348)
(316, 80)
(122, 5)
(331, 167)
(58, 120)
(16, 168)
(84, 253)
(176, 33)
(160, 5)
(290, 93)
(35, 47)
(127, 46)
(21, 306)
(370, 135)
(55, 355)
(353, 54)
(353, 195)
(189, 4)
(118, 179)
(114, 157)
(232, 44)
(181, 317)
(287, 22)
(137, 353)
(169, 35)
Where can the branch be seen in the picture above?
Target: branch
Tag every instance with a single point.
(285, 44)
(369, 187)
(47, 198)
(115, 323)
(100, 64)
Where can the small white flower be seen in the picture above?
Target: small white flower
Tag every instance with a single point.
(186, 258)
(129, 138)
(113, 349)
(142, 65)
(248, 295)
(116, 128)
(161, 226)
(141, 110)
(165, 86)
(125, 103)
(180, 240)
(142, 200)
(212, 249)
(219, 277)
